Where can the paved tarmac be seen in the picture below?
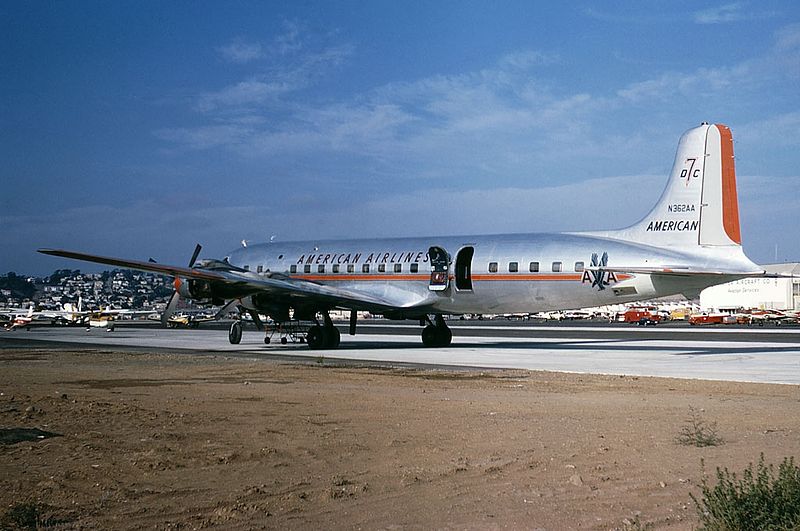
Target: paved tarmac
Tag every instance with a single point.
(769, 355)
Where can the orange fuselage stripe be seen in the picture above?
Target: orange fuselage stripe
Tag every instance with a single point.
(476, 278)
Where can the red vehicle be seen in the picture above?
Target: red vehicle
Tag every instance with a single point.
(642, 316)
(712, 318)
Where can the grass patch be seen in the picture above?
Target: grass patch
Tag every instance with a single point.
(28, 515)
(759, 500)
(697, 432)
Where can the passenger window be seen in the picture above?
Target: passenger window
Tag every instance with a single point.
(320, 268)
(414, 268)
(556, 267)
(381, 268)
(534, 267)
(260, 269)
(579, 266)
(247, 268)
(335, 268)
(307, 268)
(492, 267)
(398, 268)
(292, 269)
(513, 267)
(351, 268)
(365, 268)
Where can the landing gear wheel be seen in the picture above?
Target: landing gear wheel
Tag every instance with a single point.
(323, 337)
(333, 339)
(235, 333)
(284, 341)
(436, 336)
(267, 340)
(315, 338)
(445, 336)
(429, 336)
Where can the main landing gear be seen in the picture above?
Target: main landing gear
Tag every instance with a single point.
(323, 337)
(436, 334)
(318, 337)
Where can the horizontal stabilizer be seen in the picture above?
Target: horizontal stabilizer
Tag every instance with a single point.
(678, 271)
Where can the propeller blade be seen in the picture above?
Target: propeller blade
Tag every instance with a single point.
(170, 309)
(173, 301)
(196, 252)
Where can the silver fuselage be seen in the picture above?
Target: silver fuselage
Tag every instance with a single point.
(398, 270)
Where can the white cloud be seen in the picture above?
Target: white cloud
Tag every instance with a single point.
(721, 14)
(241, 52)
(243, 94)
(206, 137)
(776, 131)
(788, 38)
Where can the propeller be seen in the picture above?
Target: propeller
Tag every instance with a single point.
(173, 301)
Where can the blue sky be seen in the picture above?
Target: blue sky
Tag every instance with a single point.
(137, 129)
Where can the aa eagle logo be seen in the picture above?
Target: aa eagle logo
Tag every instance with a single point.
(599, 277)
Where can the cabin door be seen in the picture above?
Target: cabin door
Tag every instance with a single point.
(440, 265)
(464, 268)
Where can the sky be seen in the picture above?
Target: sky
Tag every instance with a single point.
(137, 129)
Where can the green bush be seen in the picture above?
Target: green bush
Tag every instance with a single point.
(22, 516)
(698, 432)
(760, 500)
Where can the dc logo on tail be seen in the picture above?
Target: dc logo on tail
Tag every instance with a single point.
(691, 172)
(597, 275)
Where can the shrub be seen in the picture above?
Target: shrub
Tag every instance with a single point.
(698, 432)
(760, 500)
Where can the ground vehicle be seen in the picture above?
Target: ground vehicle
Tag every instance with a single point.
(711, 318)
(642, 316)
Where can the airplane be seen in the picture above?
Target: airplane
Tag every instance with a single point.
(19, 319)
(690, 240)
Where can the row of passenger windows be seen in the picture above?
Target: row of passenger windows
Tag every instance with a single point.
(351, 268)
(533, 267)
(513, 267)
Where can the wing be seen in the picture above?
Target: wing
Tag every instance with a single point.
(239, 283)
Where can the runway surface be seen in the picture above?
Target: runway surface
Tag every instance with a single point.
(769, 355)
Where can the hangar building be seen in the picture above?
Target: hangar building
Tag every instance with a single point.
(763, 293)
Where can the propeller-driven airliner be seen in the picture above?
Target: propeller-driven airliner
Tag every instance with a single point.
(690, 240)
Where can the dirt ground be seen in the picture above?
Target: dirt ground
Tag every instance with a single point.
(176, 441)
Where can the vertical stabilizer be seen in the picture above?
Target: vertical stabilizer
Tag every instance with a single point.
(699, 206)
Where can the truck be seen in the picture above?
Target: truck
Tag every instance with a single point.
(643, 316)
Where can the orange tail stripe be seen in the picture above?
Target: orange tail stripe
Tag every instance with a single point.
(730, 202)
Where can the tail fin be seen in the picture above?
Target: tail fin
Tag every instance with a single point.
(699, 205)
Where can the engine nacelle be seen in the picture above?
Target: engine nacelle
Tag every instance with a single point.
(199, 290)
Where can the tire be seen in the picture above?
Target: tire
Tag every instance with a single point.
(315, 338)
(267, 340)
(284, 341)
(436, 336)
(444, 336)
(235, 333)
(333, 338)
(429, 336)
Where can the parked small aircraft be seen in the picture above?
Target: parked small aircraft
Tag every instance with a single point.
(19, 319)
(690, 240)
